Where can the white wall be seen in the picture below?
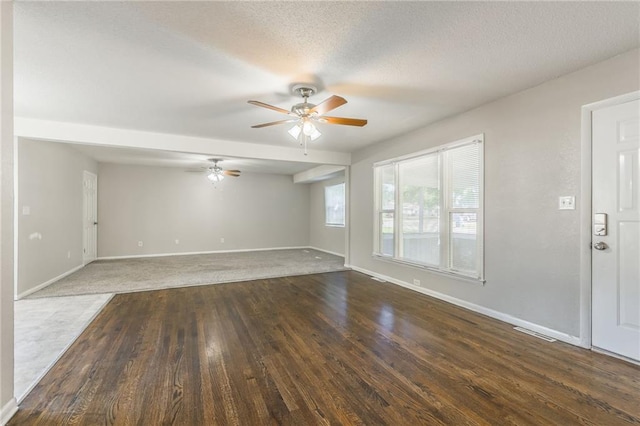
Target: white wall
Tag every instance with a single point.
(50, 185)
(7, 401)
(157, 205)
(328, 238)
(532, 156)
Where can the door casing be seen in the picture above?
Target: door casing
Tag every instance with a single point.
(88, 259)
(585, 210)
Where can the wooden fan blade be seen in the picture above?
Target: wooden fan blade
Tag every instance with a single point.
(273, 123)
(229, 173)
(275, 108)
(328, 104)
(234, 171)
(342, 120)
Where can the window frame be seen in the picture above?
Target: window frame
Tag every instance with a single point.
(344, 206)
(445, 233)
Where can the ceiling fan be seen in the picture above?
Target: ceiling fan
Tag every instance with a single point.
(304, 114)
(215, 173)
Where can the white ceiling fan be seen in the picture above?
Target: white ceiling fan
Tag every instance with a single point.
(305, 114)
(214, 172)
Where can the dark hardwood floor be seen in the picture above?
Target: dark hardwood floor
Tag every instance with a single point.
(335, 348)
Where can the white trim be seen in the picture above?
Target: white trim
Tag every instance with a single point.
(441, 153)
(85, 259)
(615, 355)
(16, 217)
(62, 352)
(444, 147)
(47, 283)
(585, 210)
(567, 338)
(9, 409)
(326, 251)
(135, 256)
(347, 214)
(449, 274)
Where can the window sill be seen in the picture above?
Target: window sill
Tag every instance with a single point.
(449, 274)
(330, 225)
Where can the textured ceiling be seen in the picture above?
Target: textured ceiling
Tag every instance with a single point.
(188, 68)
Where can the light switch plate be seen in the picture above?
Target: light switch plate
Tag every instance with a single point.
(567, 202)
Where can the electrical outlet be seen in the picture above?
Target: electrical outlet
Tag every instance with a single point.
(68, 255)
(416, 282)
(140, 243)
(222, 240)
(567, 202)
(177, 241)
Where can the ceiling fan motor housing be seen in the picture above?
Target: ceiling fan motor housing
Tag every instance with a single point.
(304, 90)
(302, 109)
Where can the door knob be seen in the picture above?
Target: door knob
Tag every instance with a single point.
(600, 246)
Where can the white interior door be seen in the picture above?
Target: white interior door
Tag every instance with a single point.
(89, 217)
(616, 249)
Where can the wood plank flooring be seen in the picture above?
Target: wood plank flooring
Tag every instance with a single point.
(334, 348)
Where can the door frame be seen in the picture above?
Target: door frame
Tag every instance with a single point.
(94, 176)
(585, 210)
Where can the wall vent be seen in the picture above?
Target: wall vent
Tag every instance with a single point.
(535, 334)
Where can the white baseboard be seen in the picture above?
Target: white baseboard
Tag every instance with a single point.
(6, 412)
(44, 284)
(615, 355)
(567, 338)
(326, 251)
(136, 256)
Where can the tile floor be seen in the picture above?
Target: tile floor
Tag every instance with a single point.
(44, 329)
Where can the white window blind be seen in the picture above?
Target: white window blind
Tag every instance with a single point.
(334, 205)
(419, 183)
(429, 208)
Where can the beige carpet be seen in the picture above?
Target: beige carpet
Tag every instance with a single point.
(153, 273)
(44, 329)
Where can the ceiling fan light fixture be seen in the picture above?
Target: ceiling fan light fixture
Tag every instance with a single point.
(215, 178)
(308, 128)
(215, 175)
(295, 131)
(304, 131)
(315, 134)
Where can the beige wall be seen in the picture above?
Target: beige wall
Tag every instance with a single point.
(532, 156)
(7, 402)
(158, 205)
(50, 186)
(328, 238)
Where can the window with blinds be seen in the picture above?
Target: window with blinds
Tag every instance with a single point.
(429, 208)
(334, 205)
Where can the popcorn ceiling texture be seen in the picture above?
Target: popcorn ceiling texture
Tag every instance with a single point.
(188, 68)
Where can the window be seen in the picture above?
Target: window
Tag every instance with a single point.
(428, 208)
(334, 205)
